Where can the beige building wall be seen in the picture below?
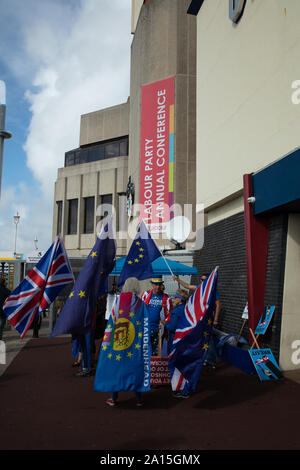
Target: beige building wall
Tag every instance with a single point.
(245, 115)
(290, 324)
(164, 45)
(104, 124)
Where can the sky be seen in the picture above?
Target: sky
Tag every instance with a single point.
(58, 59)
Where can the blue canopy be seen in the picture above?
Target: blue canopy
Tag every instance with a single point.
(159, 267)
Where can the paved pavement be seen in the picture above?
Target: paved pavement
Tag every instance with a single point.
(45, 407)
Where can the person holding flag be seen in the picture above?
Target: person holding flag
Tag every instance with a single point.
(39, 288)
(124, 361)
(159, 305)
(78, 314)
(138, 264)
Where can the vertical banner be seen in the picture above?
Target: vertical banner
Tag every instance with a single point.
(157, 154)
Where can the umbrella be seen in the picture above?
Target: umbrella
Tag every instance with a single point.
(160, 267)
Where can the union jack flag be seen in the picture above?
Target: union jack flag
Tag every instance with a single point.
(192, 336)
(39, 288)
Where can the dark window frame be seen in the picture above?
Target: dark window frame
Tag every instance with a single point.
(72, 216)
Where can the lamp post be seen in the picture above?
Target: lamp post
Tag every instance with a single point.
(16, 221)
(3, 133)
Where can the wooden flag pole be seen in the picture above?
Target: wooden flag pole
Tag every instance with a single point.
(241, 330)
(159, 340)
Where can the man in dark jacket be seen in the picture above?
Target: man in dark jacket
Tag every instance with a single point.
(4, 293)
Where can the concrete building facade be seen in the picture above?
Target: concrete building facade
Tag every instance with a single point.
(163, 51)
(248, 161)
(94, 175)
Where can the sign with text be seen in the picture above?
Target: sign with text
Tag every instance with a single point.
(160, 374)
(157, 154)
(264, 320)
(265, 364)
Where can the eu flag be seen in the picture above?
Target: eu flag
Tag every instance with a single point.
(140, 256)
(78, 312)
(124, 361)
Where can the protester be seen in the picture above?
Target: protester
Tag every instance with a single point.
(181, 297)
(4, 293)
(159, 306)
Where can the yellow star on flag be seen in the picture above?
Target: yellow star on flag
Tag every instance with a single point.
(209, 322)
(137, 346)
(109, 355)
(141, 256)
(129, 262)
(138, 243)
(118, 357)
(131, 314)
(140, 335)
(205, 346)
(129, 354)
(104, 347)
(71, 295)
(138, 322)
(136, 260)
(93, 254)
(141, 249)
(81, 294)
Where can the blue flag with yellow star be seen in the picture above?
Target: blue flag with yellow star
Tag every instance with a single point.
(78, 312)
(124, 361)
(140, 256)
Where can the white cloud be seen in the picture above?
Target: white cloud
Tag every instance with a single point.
(73, 57)
(83, 68)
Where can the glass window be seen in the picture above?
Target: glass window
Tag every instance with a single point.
(124, 148)
(112, 150)
(59, 217)
(89, 210)
(69, 159)
(105, 202)
(72, 216)
(83, 156)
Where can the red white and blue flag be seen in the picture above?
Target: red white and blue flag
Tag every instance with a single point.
(39, 288)
(192, 336)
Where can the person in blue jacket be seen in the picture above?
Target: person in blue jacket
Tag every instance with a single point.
(181, 297)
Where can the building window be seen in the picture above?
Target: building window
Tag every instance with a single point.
(89, 211)
(59, 217)
(72, 216)
(109, 149)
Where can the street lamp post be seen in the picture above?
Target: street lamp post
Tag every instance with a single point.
(16, 221)
(3, 133)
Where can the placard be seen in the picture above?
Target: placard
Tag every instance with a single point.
(264, 320)
(265, 364)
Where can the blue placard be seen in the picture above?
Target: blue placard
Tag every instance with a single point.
(265, 364)
(264, 320)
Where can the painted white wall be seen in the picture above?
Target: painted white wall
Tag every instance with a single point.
(245, 115)
(290, 323)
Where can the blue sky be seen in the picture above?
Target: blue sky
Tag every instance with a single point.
(59, 59)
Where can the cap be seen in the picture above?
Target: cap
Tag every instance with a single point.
(157, 280)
